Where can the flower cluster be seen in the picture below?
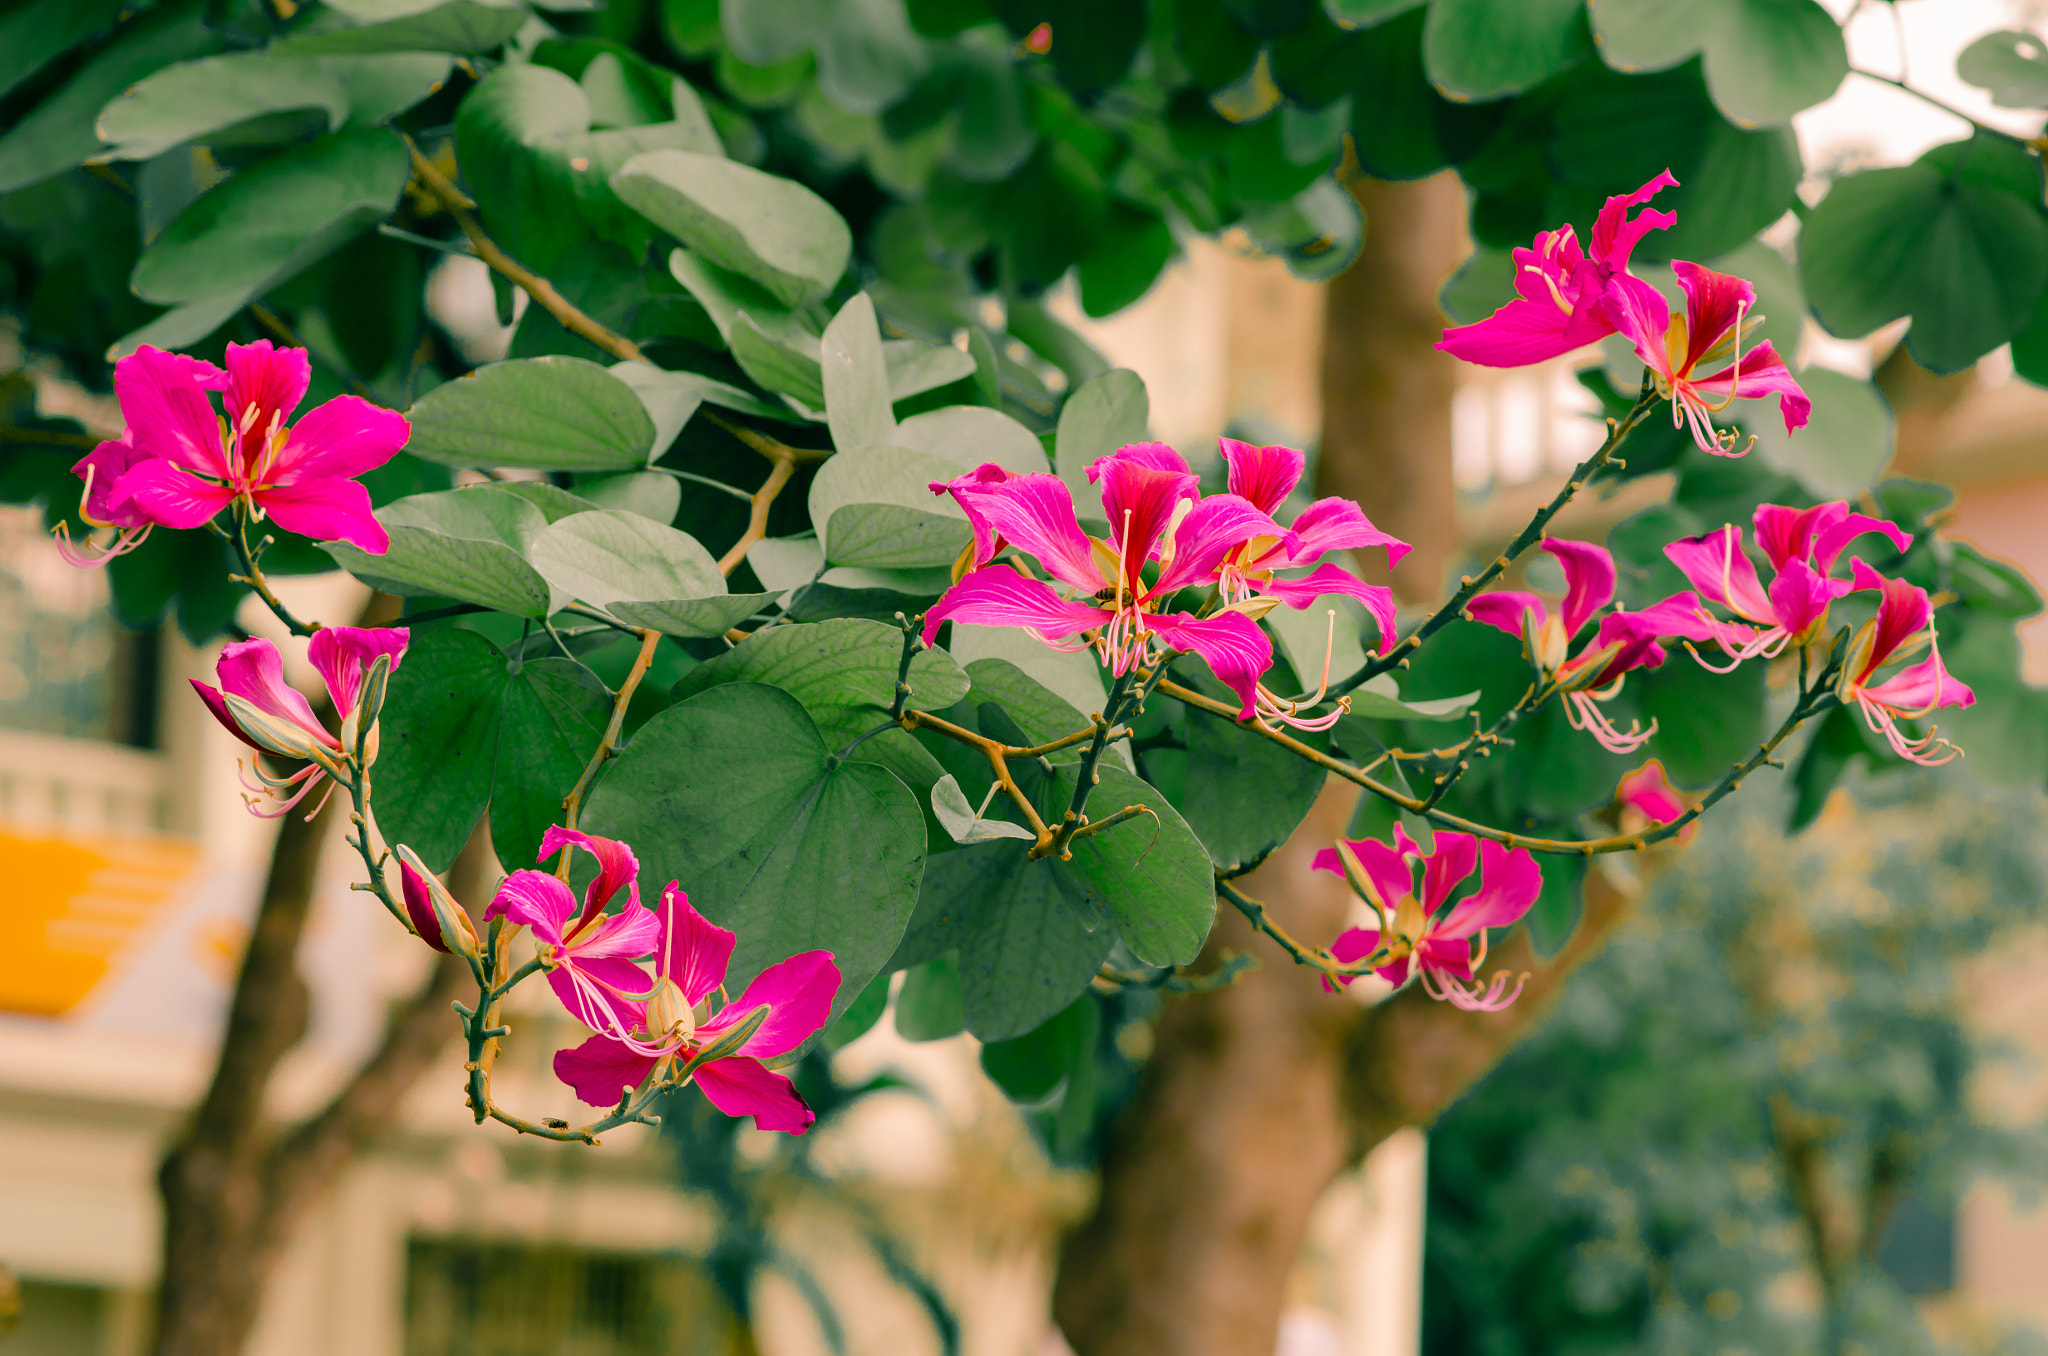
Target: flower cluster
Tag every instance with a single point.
(181, 462)
(1571, 297)
(1229, 544)
(649, 1024)
(1421, 931)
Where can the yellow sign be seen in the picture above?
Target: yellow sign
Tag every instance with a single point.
(72, 906)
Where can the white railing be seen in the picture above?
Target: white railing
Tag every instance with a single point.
(78, 787)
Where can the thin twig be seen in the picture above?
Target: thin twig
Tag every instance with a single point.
(757, 513)
(1314, 957)
(252, 575)
(572, 804)
(1924, 97)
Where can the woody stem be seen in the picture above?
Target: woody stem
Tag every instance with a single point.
(252, 575)
(572, 804)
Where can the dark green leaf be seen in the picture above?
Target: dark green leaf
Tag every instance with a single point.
(1483, 49)
(774, 231)
(1705, 721)
(438, 744)
(242, 97)
(406, 26)
(1128, 255)
(861, 1016)
(1150, 875)
(553, 413)
(929, 1007)
(33, 35)
(1245, 793)
(1028, 1068)
(554, 715)
(1836, 742)
(467, 544)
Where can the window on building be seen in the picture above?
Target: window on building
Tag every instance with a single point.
(472, 1298)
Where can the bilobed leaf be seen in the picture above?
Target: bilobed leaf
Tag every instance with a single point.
(266, 224)
(1244, 793)
(971, 435)
(438, 743)
(1477, 50)
(1845, 443)
(1642, 35)
(733, 793)
(242, 96)
(1150, 874)
(2012, 64)
(1957, 240)
(856, 378)
(60, 131)
(468, 544)
(875, 507)
(1024, 950)
(554, 714)
(772, 230)
(409, 26)
(612, 556)
(1130, 251)
(721, 292)
(1104, 414)
(960, 821)
(552, 414)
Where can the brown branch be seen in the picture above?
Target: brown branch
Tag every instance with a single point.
(540, 289)
(572, 804)
(757, 513)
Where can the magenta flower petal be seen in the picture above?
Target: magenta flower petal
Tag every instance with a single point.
(1715, 304)
(102, 470)
(1505, 610)
(163, 492)
(1509, 882)
(1832, 537)
(1385, 867)
(969, 492)
(1153, 456)
(1649, 792)
(1139, 500)
(1263, 475)
(1352, 944)
(1335, 524)
(271, 381)
(1521, 333)
(1232, 644)
(741, 1086)
(1588, 579)
(341, 439)
(595, 992)
(1327, 579)
(1036, 513)
(1442, 869)
(1678, 616)
(632, 932)
(216, 704)
(164, 399)
(1800, 595)
(419, 906)
(617, 868)
(536, 900)
(694, 950)
(1924, 686)
(1760, 373)
(1615, 235)
(1643, 317)
(253, 671)
(326, 510)
(999, 596)
(798, 992)
(1721, 570)
(1212, 529)
(601, 1070)
(342, 654)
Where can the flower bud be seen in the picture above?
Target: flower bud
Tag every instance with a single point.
(730, 1041)
(436, 916)
(281, 737)
(369, 706)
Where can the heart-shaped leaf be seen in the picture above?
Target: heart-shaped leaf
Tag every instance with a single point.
(551, 414)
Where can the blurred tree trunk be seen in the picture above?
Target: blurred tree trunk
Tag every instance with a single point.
(1257, 1096)
(235, 1187)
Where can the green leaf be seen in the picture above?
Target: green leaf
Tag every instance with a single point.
(35, 34)
(2012, 64)
(1843, 447)
(1764, 60)
(60, 131)
(1483, 284)
(438, 743)
(182, 325)
(672, 397)
(1555, 914)
(930, 1006)
(778, 360)
(1099, 417)
(541, 175)
(1395, 108)
(861, 1017)
(467, 544)
(555, 712)
(875, 507)
(269, 223)
(1956, 240)
(550, 414)
(856, 378)
(916, 367)
(1366, 13)
(1477, 50)
(467, 26)
(774, 231)
(1031, 1067)
(1705, 721)
(1245, 793)
(1133, 247)
(1152, 878)
(972, 434)
(1835, 743)
(961, 822)
(1380, 699)
(693, 618)
(1041, 688)
(612, 556)
(733, 793)
(647, 493)
(1024, 951)
(241, 98)
(843, 671)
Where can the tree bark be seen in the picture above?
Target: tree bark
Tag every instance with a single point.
(1257, 1096)
(234, 1189)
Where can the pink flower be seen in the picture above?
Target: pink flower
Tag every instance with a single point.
(1624, 640)
(1803, 546)
(187, 463)
(1715, 323)
(100, 505)
(665, 1032)
(1264, 477)
(1647, 797)
(1444, 948)
(588, 954)
(1561, 288)
(1156, 512)
(1903, 625)
(436, 915)
(265, 712)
